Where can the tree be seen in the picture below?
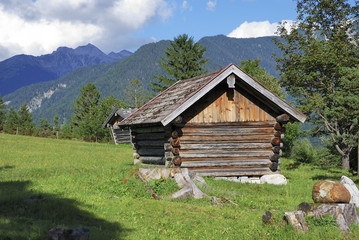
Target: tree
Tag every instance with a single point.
(319, 66)
(184, 59)
(56, 121)
(252, 68)
(2, 113)
(12, 121)
(45, 129)
(27, 125)
(84, 119)
(136, 95)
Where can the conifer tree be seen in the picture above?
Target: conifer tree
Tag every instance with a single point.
(27, 125)
(84, 119)
(135, 93)
(2, 113)
(12, 121)
(184, 59)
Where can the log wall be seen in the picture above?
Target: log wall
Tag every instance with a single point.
(121, 136)
(150, 142)
(232, 149)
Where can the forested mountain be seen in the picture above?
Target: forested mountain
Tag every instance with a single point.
(24, 70)
(57, 97)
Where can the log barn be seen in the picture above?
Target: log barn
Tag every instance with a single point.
(120, 135)
(224, 123)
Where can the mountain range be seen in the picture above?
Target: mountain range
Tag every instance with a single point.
(56, 97)
(23, 70)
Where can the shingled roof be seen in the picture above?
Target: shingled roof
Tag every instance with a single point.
(123, 113)
(169, 104)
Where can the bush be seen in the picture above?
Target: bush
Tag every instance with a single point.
(303, 151)
(322, 155)
(291, 135)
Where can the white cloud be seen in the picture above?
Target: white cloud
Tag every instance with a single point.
(211, 5)
(186, 6)
(40, 27)
(258, 29)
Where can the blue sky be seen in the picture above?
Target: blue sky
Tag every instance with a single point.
(39, 27)
(199, 21)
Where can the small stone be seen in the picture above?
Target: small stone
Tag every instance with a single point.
(80, 234)
(244, 179)
(330, 192)
(255, 180)
(137, 162)
(267, 217)
(305, 207)
(231, 179)
(352, 188)
(276, 179)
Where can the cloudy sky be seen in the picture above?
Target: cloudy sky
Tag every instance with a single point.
(39, 27)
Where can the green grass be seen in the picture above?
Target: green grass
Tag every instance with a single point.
(91, 185)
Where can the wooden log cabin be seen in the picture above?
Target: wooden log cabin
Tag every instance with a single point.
(224, 123)
(120, 135)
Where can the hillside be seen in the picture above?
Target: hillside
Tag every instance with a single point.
(47, 183)
(24, 70)
(57, 97)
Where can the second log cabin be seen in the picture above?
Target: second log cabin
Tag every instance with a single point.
(224, 123)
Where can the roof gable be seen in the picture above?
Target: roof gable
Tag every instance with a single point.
(169, 104)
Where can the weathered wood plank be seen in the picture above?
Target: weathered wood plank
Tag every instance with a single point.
(149, 136)
(225, 140)
(233, 172)
(148, 129)
(152, 160)
(151, 151)
(240, 138)
(226, 154)
(237, 105)
(234, 124)
(223, 158)
(205, 146)
(241, 132)
(249, 163)
(153, 143)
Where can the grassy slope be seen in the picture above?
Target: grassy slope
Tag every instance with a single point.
(80, 184)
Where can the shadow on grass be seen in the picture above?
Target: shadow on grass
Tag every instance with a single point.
(6, 167)
(25, 214)
(331, 174)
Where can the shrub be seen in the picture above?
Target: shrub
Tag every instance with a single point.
(303, 151)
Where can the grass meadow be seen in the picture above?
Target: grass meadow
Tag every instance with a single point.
(46, 183)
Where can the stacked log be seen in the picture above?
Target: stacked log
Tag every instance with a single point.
(277, 141)
(148, 143)
(121, 135)
(227, 149)
(172, 149)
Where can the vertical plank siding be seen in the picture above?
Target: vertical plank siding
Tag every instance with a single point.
(230, 106)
